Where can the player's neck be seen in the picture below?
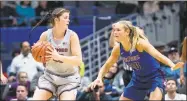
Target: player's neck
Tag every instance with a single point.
(126, 44)
(58, 33)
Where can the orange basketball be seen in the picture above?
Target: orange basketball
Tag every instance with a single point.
(39, 51)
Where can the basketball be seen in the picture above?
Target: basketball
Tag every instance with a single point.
(39, 51)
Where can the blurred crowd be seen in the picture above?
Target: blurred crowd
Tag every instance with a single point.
(28, 13)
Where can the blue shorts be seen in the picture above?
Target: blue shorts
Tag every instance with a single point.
(139, 87)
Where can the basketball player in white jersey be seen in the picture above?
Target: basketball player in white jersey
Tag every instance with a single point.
(61, 76)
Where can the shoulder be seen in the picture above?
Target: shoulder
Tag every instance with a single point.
(142, 44)
(45, 33)
(73, 34)
(182, 95)
(43, 36)
(116, 49)
(17, 58)
(166, 97)
(116, 46)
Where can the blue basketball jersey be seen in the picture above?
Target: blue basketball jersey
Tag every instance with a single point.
(146, 74)
(142, 63)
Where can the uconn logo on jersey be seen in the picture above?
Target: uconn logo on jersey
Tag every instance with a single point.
(132, 61)
(61, 49)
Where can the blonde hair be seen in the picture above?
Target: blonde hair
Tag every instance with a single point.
(183, 56)
(135, 33)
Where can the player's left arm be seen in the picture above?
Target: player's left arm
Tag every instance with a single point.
(156, 54)
(76, 58)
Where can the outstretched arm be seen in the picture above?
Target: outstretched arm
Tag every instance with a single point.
(105, 68)
(155, 53)
(183, 58)
(111, 60)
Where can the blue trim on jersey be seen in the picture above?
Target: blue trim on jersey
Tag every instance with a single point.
(141, 62)
(147, 74)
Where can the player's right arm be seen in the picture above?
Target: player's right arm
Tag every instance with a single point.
(43, 36)
(105, 68)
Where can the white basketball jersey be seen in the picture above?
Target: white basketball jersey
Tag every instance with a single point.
(63, 48)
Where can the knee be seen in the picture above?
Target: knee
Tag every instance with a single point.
(156, 97)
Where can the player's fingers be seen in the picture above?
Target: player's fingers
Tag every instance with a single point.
(48, 53)
(178, 65)
(93, 86)
(50, 48)
(48, 57)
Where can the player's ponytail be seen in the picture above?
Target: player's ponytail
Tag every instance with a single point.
(138, 33)
(45, 17)
(56, 13)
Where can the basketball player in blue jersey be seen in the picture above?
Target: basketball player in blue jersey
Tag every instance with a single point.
(61, 76)
(139, 54)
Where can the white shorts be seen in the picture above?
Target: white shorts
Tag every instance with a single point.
(59, 84)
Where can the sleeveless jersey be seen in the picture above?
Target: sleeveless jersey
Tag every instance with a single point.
(142, 63)
(63, 48)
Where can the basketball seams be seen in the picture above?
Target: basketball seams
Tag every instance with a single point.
(34, 49)
(45, 52)
(41, 51)
(44, 55)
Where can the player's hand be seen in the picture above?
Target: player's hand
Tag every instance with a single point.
(178, 65)
(182, 79)
(52, 54)
(97, 82)
(3, 79)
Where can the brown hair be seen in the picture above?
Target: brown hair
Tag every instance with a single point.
(134, 33)
(57, 13)
(183, 56)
